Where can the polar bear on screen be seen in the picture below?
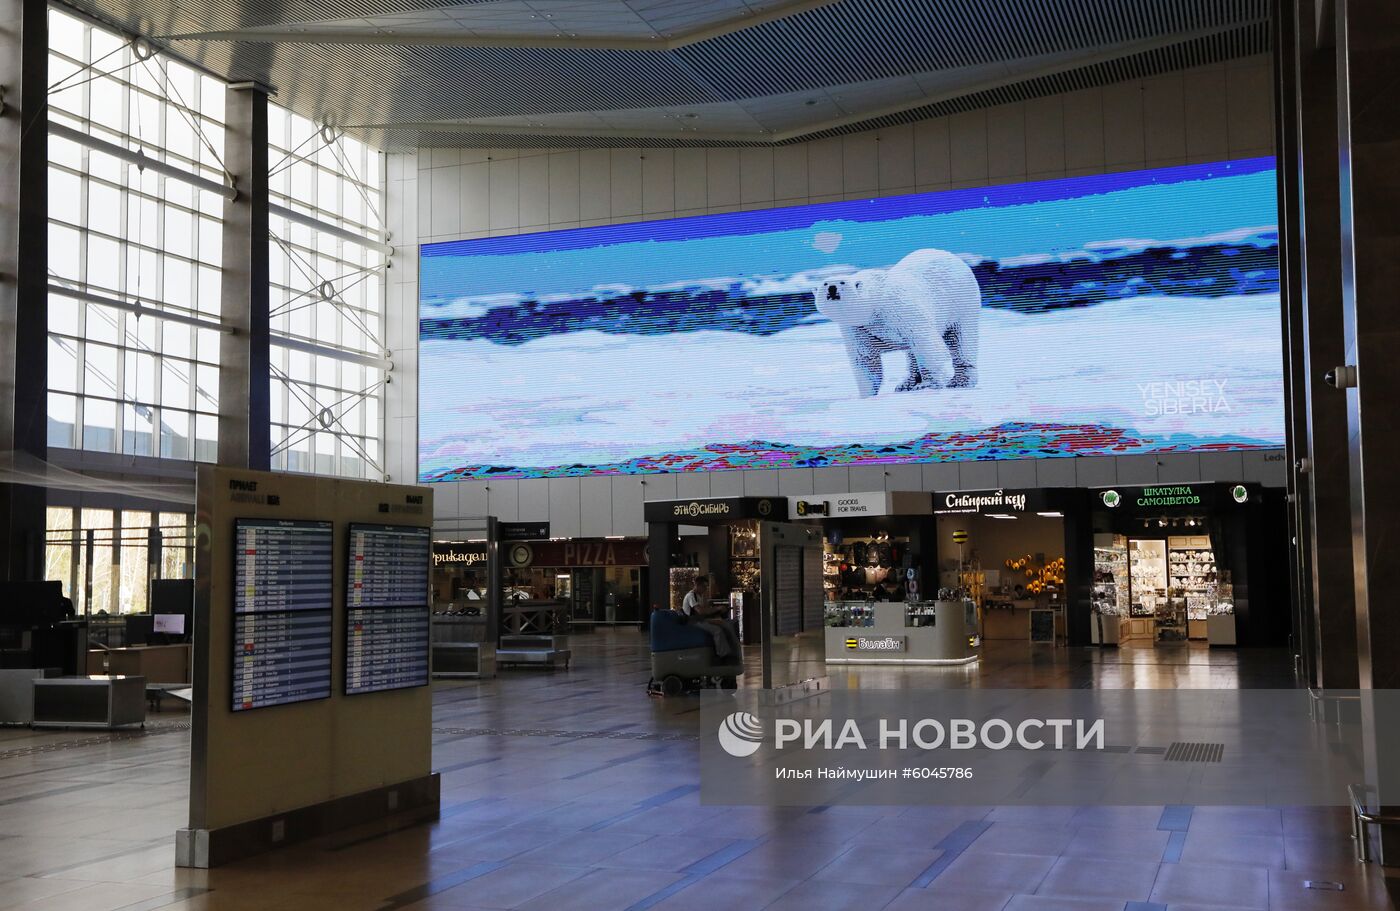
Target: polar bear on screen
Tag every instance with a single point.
(928, 304)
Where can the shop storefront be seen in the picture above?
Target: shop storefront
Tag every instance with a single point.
(1010, 552)
(1142, 566)
(878, 546)
(602, 580)
(1178, 563)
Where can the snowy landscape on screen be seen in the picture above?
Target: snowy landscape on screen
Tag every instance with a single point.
(1163, 336)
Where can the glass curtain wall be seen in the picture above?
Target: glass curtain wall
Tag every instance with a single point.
(134, 263)
(105, 559)
(133, 256)
(327, 301)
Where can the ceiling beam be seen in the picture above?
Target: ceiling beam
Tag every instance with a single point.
(417, 37)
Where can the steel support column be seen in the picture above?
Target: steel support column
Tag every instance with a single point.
(1368, 69)
(24, 313)
(245, 416)
(1327, 507)
(1294, 381)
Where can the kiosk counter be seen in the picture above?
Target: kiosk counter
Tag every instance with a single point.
(892, 632)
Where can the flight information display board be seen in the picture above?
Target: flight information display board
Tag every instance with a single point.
(386, 648)
(283, 586)
(279, 658)
(282, 565)
(387, 607)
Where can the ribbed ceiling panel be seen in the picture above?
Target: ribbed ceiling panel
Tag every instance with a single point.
(849, 42)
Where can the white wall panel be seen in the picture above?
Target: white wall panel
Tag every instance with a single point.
(1207, 127)
(626, 179)
(445, 218)
(595, 184)
(1137, 469)
(795, 482)
(628, 494)
(1164, 129)
(940, 476)
(1054, 472)
(722, 178)
(475, 197)
(596, 507)
(1215, 112)
(691, 192)
(1221, 466)
(1083, 130)
(824, 168)
(755, 175)
(661, 486)
(1122, 124)
(1096, 472)
(790, 172)
(1250, 117)
(505, 194)
(534, 500)
(472, 498)
(726, 483)
(1045, 135)
(977, 475)
(763, 483)
(867, 477)
(904, 477)
(967, 146)
(693, 484)
(534, 191)
(860, 164)
(503, 499)
(658, 181)
(564, 187)
(896, 152)
(1178, 468)
(1017, 473)
(932, 161)
(831, 480)
(565, 508)
(1006, 141)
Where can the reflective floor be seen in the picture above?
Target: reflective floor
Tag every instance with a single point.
(574, 790)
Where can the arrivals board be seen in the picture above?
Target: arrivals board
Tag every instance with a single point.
(282, 565)
(283, 589)
(279, 658)
(386, 599)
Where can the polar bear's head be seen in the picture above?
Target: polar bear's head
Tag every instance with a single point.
(849, 300)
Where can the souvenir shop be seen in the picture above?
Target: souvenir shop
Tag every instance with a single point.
(1177, 564)
(1008, 551)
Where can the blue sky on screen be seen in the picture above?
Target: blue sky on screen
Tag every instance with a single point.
(997, 222)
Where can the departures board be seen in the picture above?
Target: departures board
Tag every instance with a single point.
(387, 608)
(283, 591)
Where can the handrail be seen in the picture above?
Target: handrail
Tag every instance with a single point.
(1361, 817)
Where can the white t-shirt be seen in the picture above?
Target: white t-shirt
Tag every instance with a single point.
(691, 604)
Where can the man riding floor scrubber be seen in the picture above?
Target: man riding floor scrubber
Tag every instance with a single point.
(683, 657)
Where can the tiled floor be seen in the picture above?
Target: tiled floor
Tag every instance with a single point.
(612, 820)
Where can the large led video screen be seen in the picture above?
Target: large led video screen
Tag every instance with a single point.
(1116, 314)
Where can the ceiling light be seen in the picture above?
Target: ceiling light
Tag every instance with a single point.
(999, 515)
(1051, 515)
